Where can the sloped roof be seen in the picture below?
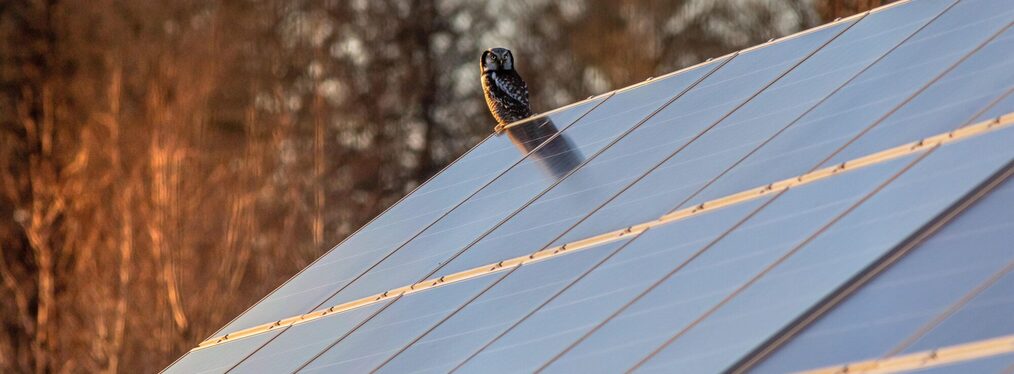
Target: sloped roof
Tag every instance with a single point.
(826, 199)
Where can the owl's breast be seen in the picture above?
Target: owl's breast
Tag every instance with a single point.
(504, 108)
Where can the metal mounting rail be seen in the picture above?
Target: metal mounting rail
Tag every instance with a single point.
(925, 359)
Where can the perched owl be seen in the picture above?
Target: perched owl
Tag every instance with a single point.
(505, 91)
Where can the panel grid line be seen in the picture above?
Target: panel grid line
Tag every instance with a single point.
(982, 128)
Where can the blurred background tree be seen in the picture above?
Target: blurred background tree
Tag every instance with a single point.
(165, 164)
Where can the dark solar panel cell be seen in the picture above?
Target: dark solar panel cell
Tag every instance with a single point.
(725, 266)
(505, 303)
(909, 294)
(605, 289)
(837, 254)
(763, 117)
(661, 136)
(875, 92)
(392, 228)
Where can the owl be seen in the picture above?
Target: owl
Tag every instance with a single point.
(505, 91)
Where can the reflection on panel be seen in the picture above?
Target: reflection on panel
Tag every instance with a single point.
(590, 300)
(909, 294)
(691, 289)
(836, 255)
(392, 228)
(662, 136)
(761, 118)
(873, 94)
(557, 157)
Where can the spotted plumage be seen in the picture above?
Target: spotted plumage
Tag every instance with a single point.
(506, 93)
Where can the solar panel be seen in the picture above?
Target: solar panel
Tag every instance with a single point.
(972, 87)
(688, 288)
(397, 225)
(219, 358)
(870, 97)
(735, 138)
(691, 222)
(427, 253)
(882, 317)
(579, 307)
(302, 342)
(834, 255)
(391, 329)
(450, 341)
(986, 315)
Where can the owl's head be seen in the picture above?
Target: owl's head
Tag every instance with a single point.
(497, 59)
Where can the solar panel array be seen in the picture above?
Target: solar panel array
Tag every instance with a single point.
(837, 197)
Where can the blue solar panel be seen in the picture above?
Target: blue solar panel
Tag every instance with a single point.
(482, 320)
(403, 320)
(397, 225)
(871, 96)
(691, 288)
(987, 315)
(762, 118)
(302, 342)
(421, 257)
(831, 258)
(955, 99)
(882, 317)
(662, 136)
(218, 358)
(587, 302)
